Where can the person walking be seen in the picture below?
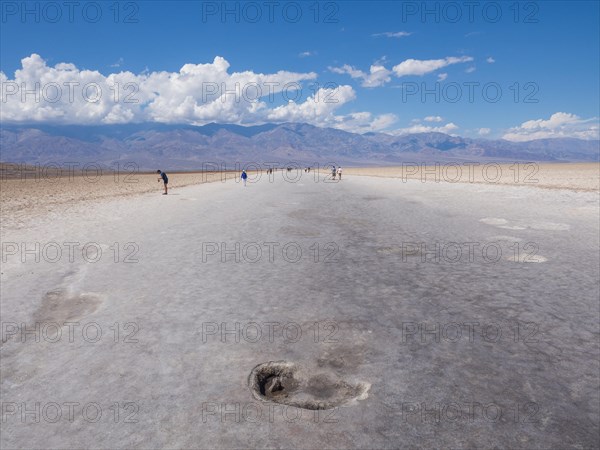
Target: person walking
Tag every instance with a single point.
(333, 172)
(244, 177)
(165, 179)
(340, 173)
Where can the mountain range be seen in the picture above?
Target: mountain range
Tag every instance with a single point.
(186, 147)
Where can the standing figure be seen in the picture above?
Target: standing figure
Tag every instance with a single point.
(165, 179)
(244, 177)
(340, 173)
(333, 172)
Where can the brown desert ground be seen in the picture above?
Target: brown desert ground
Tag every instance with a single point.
(34, 193)
(572, 176)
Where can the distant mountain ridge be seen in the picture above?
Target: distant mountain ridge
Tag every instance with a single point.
(183, 147)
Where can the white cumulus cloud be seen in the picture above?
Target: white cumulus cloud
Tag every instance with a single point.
(378, 75)
(319, 109)
(197, 94)
(559, 125)
(422, 67)
(421, 128)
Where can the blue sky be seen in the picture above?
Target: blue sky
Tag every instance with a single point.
(546, 53)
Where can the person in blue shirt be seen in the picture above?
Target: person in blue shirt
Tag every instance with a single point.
(164, 178)
(244, 177)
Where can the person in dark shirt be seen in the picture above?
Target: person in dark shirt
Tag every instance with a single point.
(164, 178)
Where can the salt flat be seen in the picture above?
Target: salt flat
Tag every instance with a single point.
(489, 339)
